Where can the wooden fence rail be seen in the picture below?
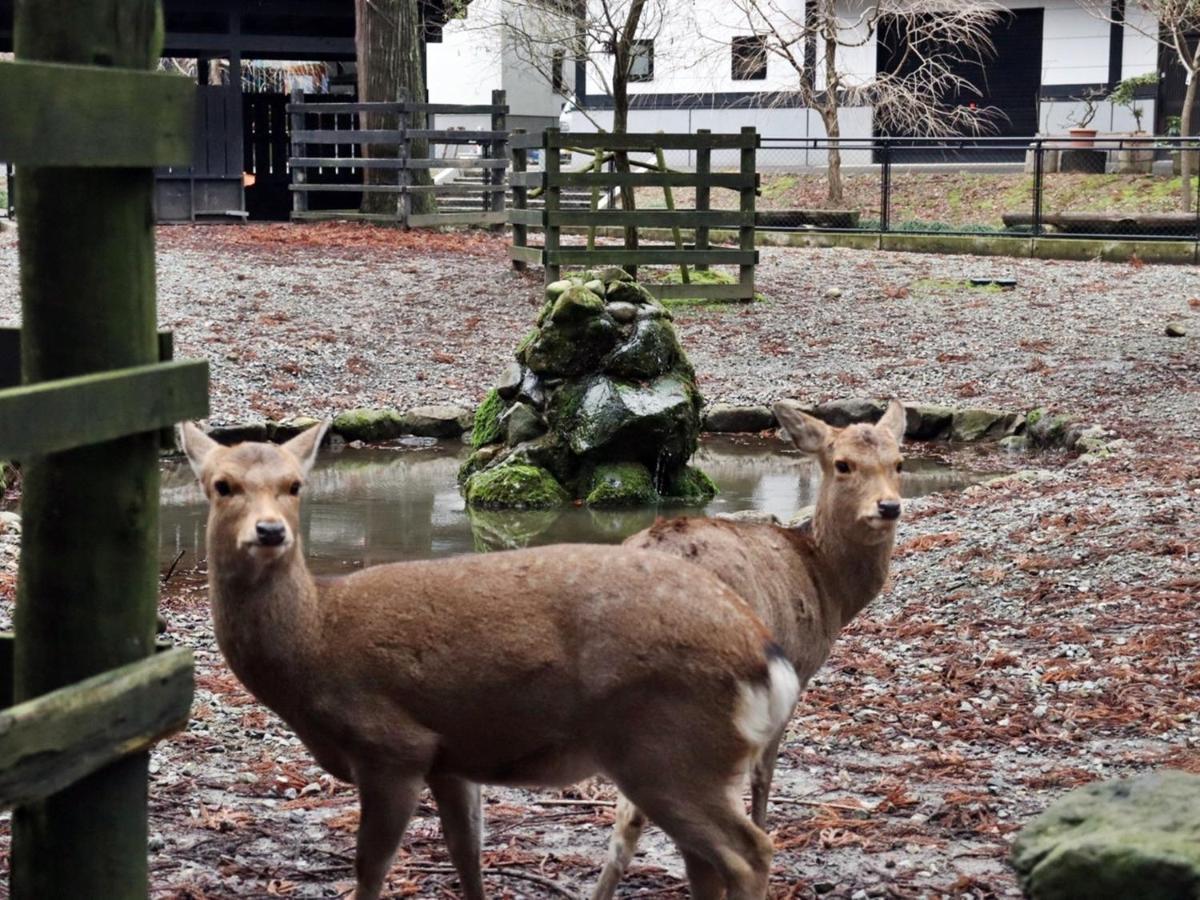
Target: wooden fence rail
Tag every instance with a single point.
(553, 255)
(398, 153)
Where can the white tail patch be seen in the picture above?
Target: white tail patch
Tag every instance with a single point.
(765, 708)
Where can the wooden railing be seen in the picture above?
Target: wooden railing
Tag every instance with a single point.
(323, 148)
(83, 694)
(553, 255)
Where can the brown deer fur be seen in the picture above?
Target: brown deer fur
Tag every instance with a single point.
(805, 583)
(534, 667)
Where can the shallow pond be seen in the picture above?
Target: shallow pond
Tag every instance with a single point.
(369, 506)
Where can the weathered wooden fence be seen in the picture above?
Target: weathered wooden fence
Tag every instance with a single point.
(553, 255)
(323, 148)
(91, 695)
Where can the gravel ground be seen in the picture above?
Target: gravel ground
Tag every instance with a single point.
(1039, 632)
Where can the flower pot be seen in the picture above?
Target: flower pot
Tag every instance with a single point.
(1083, 137)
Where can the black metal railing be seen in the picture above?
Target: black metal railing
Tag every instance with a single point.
(1111, 186)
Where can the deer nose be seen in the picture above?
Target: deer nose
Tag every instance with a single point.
(889, 509)
(270, 534)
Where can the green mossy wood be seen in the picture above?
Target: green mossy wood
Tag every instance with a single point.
(601, 401)
(89, 567)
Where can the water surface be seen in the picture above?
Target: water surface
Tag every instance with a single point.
(369, 506)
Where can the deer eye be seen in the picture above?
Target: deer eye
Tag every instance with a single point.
(900, 467)
(222, 487)
(842, 466)
(294, 489)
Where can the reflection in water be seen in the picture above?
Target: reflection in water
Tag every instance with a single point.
(364, 507)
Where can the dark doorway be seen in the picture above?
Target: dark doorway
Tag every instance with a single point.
(265, 155)
(1172, 88)
(1010, 81)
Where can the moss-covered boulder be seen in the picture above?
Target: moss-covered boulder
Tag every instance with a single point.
(980, 424)
(601, 382)
(615, 485)
(439, 421)
(690, 486)
(1137, 837)
(370, 424)
(512, 486)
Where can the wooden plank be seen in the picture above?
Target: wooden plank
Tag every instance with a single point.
(452, 187)
(10, 357)
(450, 136)
(534, 217)
(343, 162)
(348, 188)
(55, 740)
(461, 109)
(653, 218)
(526, 254)
(525, 141)
(733, 180)
(452, 162)
(527, 179)
(7, 646)
(667, 256)
(466, 217)
(51, 416)
(648, 141)
(318, 108)
(343, 215)
(703, 190)
(90, 116)
(351, 136)
(703, 291)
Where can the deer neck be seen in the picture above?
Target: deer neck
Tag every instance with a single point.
(267, 622)
(849, 572)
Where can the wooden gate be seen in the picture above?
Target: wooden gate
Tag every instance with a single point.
(265, 155)
(91, 695)
(321, 150)
(552, 219)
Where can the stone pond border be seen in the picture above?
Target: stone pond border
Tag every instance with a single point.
(1016, 431)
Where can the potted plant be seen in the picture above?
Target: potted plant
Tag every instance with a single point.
(1135, 155)
(1079, 124)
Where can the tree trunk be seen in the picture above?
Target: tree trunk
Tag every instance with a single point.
(833, 130)
(622, 60)
(1187, 156)
(388, 36)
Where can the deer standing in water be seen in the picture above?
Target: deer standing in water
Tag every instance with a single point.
(805, 583)
(533, 667)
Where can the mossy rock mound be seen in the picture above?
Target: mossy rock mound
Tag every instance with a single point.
(601, 398)
(1136, 837)
(515, 487)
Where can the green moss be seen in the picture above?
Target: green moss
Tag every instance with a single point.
(515, 487)
(367, 425)
(487, 420)
(690, 486)
(1034, 417)
(621, 484)
(523, 344)
(475, 462)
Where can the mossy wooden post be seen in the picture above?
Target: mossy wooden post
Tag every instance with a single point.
(553, 150)
(669, 199)
(749, 193)
(703, 191)
(494, 201)
(594, 206)
(89, 579)
(520, 200)
(299, 173)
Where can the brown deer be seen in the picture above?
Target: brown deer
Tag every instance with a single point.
(805, 583)
(533, 667)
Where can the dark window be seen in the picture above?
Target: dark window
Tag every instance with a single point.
(557, 60)
(641, 63)
(749, 58)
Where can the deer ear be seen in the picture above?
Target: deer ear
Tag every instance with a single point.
(196, 444)
(305, 445)
(809, 435)
(894, 420)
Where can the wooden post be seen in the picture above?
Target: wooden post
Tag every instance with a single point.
(404, 177)
(89, 573)
(520, 232)
(299, 176)
(746, 232)
(703, 192)
(553, 150)
(495, 200)
(669, 199)
(594, 206)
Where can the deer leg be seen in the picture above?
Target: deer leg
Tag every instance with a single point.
(760, 782)
(621, 847)
(462, 826)
(704, 881)
(387, 801)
